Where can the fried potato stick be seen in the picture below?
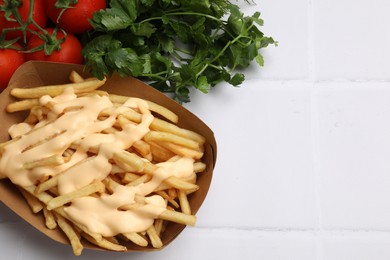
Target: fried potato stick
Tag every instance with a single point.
(55, 90)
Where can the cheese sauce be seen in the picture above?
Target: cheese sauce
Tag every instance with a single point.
(75, 120)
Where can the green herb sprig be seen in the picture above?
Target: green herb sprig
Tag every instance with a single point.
(175, 44)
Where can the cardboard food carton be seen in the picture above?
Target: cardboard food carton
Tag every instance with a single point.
(33, 74)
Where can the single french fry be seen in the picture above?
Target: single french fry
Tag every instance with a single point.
(43, 196)
(142, 179)
(50, 221)
(172, 193)
(178, 217)
(123, 121)
(33, 202)
(31, 119)
(113, 240)
(136, 238)
(154, 237)
(47, 185)
(92, 93)
(111, 184)
(134, 161)
(164, 195)
(164, 126)
(158, 225)
(54, 90)
(129, 177)
(133, 116)
(22, 105)
(155, 136)
(53, 160)
(184, 203)
(70, 232)
(199, 167)
(104, 243)
(75, 77)
(84, 191)
(159, 153)
(182, 151)
(143, 148)
(180, 184)
(163, 111)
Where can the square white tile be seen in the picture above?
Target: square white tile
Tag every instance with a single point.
(287, 23)
(351, 39)
(361, 246)
(264, 173)
(354, 139)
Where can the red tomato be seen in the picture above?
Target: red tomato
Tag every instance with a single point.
(70, 51)
(38, 15)
(75, 19)
(10, 60)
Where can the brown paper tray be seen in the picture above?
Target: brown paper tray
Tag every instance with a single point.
(36, 73)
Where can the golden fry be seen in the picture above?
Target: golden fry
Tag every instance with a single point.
(22, 105)
(54, 90)
(47, 185)
(70, 232)
(104, 243)
(143, 149)
(142, 179)
(130, 159)
(164, 126)
(159, 225)
(136, 238)
(199, 167)
(49, 219)
(154, 237)
(159, 153)
(49, 161)
(163, 111)
(154, 136)
(181, 184)
(182, 151)
(184, 203)
(33, 202)
(129, 177)
(178, 217)
(75, 77)
(172, 201)
(84, 191)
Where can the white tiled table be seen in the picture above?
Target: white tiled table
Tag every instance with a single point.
(303, 169)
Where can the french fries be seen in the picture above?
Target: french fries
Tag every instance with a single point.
(131, 160)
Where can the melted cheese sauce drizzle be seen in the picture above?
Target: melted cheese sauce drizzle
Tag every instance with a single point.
(75, 120)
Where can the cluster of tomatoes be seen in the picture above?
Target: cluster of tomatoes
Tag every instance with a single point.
(48, 20)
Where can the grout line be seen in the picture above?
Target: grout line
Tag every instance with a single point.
(307, 233)
(315, 130)
(315, 151)
(311, 41)
(319, 81)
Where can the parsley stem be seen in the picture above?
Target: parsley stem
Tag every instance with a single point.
(180, 13)
(229, 43)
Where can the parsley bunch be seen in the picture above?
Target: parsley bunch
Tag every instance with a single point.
(175, 44)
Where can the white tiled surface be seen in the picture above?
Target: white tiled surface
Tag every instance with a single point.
(303, 170)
